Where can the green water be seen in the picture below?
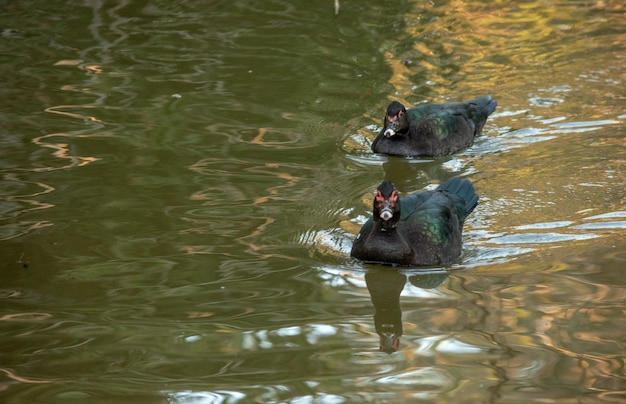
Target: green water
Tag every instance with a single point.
(181, 183)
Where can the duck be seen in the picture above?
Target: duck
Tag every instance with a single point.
(421, 229)
(432, 130)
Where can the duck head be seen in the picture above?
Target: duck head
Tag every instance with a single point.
(396, 119)
(387, 205)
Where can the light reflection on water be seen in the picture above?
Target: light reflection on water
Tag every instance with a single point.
(180, 190)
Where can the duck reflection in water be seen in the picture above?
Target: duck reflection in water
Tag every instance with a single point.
(385, 287)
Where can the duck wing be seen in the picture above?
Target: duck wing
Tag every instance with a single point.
(452, 118)
(462, 194)
(433, 221)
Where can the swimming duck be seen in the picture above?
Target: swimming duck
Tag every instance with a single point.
(432, 129)
(423, 228)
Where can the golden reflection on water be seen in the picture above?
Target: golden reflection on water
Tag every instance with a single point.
(483, 48)
(11, 375)
(62, 151)
(25, 203)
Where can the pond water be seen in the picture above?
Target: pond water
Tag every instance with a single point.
(181, 183)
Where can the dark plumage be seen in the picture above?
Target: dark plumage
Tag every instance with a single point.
(423, 228)
(432, 129)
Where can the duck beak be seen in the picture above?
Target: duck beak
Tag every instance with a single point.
(389, 133)
(386, 213)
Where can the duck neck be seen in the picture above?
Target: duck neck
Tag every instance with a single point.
(386, 226)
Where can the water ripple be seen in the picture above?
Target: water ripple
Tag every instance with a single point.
(186, 180)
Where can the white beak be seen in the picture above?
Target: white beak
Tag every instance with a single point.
(386, 214)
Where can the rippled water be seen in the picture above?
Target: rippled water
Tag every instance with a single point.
(181, 183)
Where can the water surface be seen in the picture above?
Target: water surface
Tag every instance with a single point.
(181, 184)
